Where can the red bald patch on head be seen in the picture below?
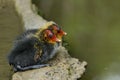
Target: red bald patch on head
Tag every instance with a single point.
(56, 30)
(50, 37)
(48, 32)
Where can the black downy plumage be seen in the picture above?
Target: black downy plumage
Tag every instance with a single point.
(30, 53)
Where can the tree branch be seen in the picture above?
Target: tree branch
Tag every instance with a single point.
(30, 18)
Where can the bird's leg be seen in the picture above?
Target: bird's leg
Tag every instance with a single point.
(31, 67)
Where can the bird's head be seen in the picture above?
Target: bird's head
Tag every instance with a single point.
(50, 33)
(49, 37)
(57, 31)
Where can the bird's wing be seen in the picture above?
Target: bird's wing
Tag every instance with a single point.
(38, 52)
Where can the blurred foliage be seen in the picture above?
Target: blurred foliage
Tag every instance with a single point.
(93, 28)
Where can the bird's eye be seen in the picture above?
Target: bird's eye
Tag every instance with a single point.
(50, 35)
(58, 31)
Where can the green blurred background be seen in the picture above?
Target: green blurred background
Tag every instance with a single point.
(93, 28)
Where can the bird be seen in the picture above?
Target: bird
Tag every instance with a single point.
(33, 49)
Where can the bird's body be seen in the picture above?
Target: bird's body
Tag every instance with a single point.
(34, 48)
(29, 52)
